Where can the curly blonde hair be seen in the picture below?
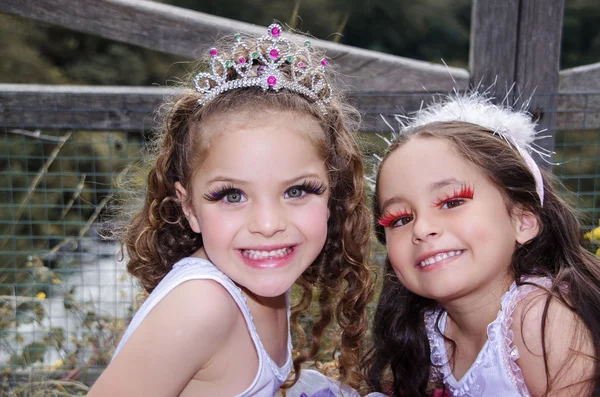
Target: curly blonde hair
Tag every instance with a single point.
(159, 234)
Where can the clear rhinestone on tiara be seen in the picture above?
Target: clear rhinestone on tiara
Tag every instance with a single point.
(272, 62)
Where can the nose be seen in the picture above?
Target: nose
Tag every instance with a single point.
(267, 217)
(425, 229)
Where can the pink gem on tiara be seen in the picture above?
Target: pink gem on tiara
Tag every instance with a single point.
(242, 60)
(275, 31)
(274, 53)
(213, 52)
(301, 65)
(324, 62)
(271, 80)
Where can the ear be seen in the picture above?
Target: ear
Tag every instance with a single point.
(183, 197)
(526, 226)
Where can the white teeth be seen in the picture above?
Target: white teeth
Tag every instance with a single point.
(257, 255)
(440, 257)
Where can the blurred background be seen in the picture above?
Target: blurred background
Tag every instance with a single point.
(64, 296)
(428, 30)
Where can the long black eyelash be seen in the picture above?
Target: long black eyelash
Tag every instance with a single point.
(314, 187)
(218, 194)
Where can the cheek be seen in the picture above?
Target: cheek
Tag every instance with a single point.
(397, 254)
(222, 225)
(312, 221)
(480, 230)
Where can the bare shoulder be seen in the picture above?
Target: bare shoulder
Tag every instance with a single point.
(177, 339)
(199, 301)
(568, 346)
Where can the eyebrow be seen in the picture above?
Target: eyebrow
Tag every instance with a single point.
(234, 181)
(444, 183)
(433, 186)
(309, 175)
(225, 179)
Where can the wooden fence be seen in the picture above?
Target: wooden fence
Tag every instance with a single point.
(514, 44)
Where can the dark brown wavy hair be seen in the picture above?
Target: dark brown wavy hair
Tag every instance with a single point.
(398, 361)
(159, 235)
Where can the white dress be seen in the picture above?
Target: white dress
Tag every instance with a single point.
(495, 372)
(269, 376)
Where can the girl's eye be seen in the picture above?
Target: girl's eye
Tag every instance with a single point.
(233, 197)
(395, 220)
(402, 221)
(294, 192)
(453, 203)
(227, 194)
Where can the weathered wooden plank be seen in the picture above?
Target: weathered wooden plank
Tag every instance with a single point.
(538, 59)
(493, 45)
(79, 107)
(582, 84)
(519, 42)
(185, 32)
(581, 79)
(131, 108)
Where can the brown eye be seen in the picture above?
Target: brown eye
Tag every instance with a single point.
(403, 220)
(453, 203)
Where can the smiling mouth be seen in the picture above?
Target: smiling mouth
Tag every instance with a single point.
(439, 257)
(262, 255)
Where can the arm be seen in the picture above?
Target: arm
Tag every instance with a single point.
(176, 340)
(569, 348)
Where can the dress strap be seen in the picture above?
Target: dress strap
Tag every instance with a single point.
(510, 352)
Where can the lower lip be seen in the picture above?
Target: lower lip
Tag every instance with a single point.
(438, 264)
(269, 263)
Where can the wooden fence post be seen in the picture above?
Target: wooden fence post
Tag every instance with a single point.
(493, 45)
(518, 42)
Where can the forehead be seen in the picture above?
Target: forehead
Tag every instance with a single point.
(419, 164)
(215, 127)
(262, 150)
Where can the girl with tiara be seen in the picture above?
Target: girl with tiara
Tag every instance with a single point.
(488, 291)
(256, 184)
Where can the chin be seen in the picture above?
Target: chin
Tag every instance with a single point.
(271, 291)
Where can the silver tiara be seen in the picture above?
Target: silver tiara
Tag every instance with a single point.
(271, 62)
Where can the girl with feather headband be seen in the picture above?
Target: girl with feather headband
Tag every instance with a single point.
(487, 290)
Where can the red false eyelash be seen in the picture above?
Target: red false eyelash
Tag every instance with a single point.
(388, 219)
(465, 192)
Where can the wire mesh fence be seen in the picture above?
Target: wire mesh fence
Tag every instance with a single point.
(64, 296)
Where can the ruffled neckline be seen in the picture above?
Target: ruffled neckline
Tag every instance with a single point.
(499, 332)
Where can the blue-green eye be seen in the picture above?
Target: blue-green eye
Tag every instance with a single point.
(294, 192)
(307, 187)
(233, 197)
(228, 194)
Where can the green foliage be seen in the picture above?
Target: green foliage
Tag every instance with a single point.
(89, 344)
(581, 33)
(429, 30)
(42, 54)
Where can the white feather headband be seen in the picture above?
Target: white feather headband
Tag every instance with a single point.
(514, 126)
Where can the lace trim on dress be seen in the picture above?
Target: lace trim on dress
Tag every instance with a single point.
(472, 383)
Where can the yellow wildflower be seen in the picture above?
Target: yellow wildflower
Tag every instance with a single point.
(593, 235)
(57, 364)
(598, 252)
(40, 295)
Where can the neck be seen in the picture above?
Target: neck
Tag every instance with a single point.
(470, 316)
(275, 302)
